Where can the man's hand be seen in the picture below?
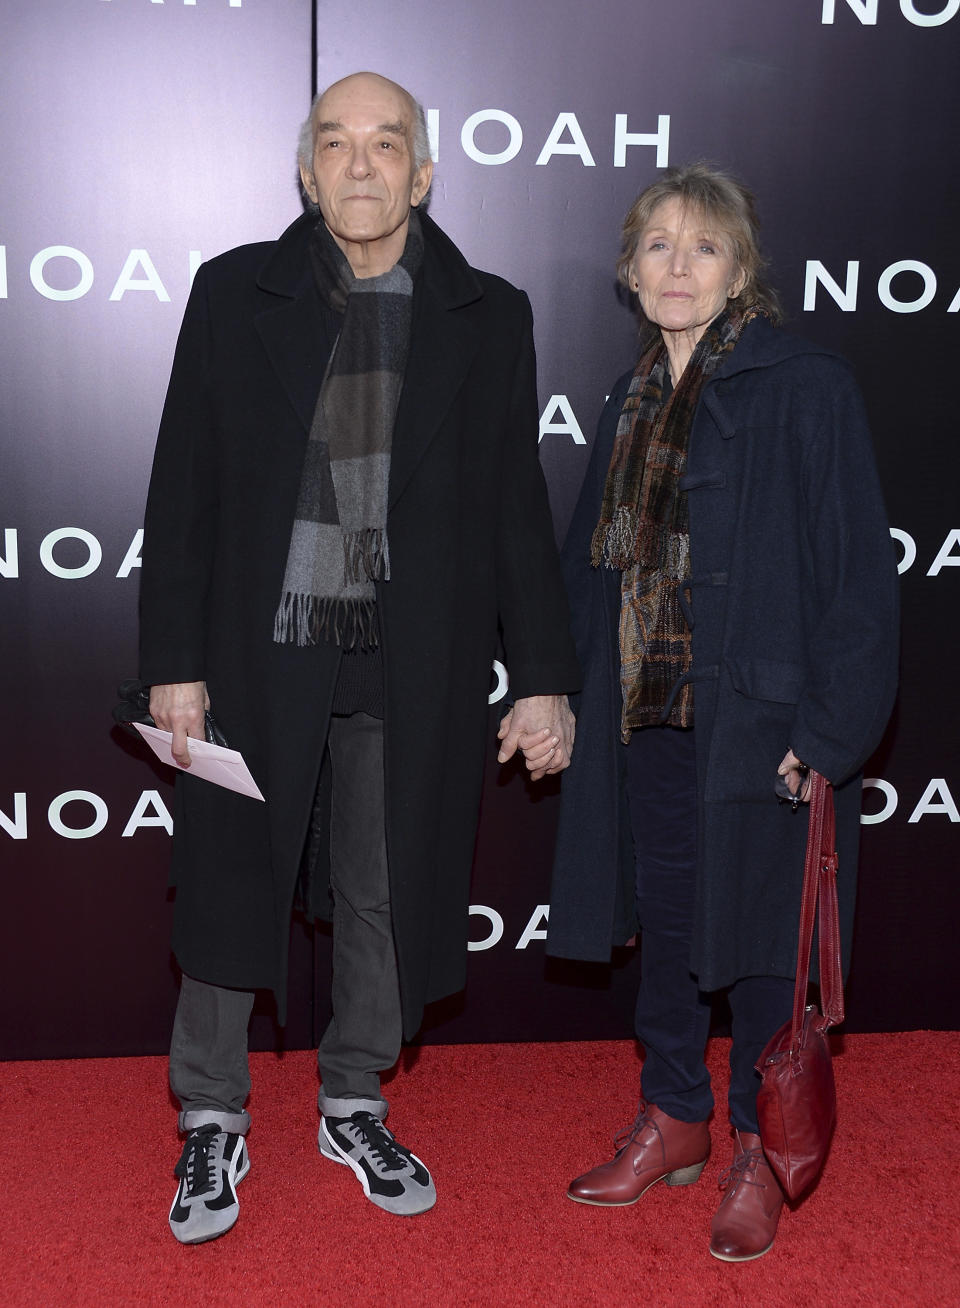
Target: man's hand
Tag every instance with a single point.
(798, 780)
(180, 708)
(542, 727)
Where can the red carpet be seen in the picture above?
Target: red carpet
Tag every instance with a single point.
(89, 1148)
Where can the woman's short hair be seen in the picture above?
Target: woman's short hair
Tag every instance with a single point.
(726, 207)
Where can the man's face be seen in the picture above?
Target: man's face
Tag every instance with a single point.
(363, 176)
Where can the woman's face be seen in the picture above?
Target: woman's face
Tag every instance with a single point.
(683, 273)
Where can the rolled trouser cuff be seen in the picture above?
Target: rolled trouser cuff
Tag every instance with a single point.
(234, 1123)
(331, 1107)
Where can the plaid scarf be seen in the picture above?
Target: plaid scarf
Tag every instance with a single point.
(338, 544)
(644, 528)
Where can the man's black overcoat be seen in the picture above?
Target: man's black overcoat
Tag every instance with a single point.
(470, 541)
(794, 601)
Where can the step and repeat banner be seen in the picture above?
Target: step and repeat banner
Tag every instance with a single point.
(140, 137)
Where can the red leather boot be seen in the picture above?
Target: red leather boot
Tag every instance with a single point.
(655, 1148)
(745, 1224)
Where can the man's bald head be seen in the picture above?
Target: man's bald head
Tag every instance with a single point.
(420, 141)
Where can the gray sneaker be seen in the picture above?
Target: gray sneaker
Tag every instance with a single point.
(392, 1177)
(212, 1164)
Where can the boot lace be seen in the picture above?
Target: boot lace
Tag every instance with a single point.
(628, 1136)
(196, 1166)
(743, 1170)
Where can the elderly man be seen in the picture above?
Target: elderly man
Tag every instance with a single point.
(345, 502)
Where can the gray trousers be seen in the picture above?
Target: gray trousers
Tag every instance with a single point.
(209, 1071)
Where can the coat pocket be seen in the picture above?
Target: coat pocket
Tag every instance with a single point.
(756, 704)
(767, 679)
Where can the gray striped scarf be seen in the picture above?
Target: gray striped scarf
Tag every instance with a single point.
(338, 545)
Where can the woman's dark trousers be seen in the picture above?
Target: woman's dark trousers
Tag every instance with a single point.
(673, 1014)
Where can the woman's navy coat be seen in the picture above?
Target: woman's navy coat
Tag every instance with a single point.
(794, 598)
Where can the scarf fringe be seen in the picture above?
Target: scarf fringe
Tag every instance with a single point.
(662, 549)
(366, 556)
(612, 543)
(622, 546)
(307, 619)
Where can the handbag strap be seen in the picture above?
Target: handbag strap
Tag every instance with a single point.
(820, 886)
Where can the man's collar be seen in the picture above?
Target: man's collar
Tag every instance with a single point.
(446, 274)
(287, 267)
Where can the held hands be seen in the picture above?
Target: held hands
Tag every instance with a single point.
(542, 727)
(797, 778)
(179, 708)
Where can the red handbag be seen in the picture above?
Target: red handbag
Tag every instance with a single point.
(797, 1101)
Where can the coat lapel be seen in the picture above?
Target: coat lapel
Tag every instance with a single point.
(444, 342)
(292, 335)
(291, 325)
(445, 337)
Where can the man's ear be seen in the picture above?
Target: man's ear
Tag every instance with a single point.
(421, 182)
(309, 183)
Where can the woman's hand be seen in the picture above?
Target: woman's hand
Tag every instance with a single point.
(796, 775)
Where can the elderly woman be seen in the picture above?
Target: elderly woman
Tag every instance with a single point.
(733, 592)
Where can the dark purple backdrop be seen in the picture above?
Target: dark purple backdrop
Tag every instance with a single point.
(135, 134)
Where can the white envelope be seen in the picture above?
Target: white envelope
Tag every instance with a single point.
(224, 767)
